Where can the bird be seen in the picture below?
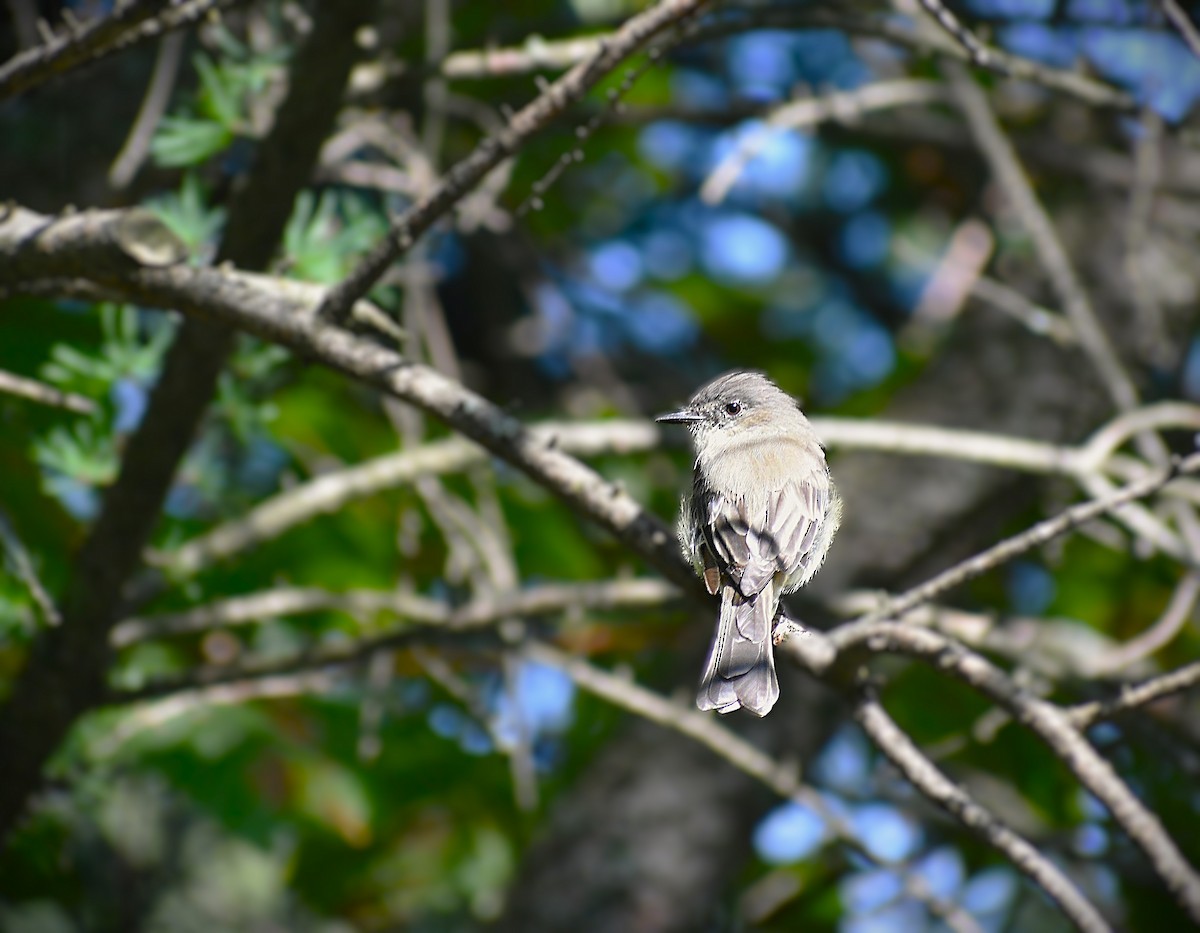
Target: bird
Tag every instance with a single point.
(757, 524)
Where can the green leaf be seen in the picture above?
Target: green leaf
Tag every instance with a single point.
(184, 141)
(220, 94)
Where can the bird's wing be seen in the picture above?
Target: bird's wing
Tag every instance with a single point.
(750, 548)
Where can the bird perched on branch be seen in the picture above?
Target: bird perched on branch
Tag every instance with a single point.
(758, 523)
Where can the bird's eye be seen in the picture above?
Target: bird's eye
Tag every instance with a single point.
(733, 408)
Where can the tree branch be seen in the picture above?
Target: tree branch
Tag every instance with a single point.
(539, 54)
(242, 304)
(523, 125)
(843, 106)
(331, 491)
(1135, 696)
(1006, 550)
(925, 776)
(1050, 723)
(543, 599)
(1182, 22)
(34, 391)
(1180, 609)
(130, 23)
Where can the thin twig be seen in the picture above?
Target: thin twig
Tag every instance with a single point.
(22, 563)
(1179, 610)
(538, 54)
(156, 713)
(1032, 537)
(1135, 696)
(543, 599)
(43, 394)
(1144, 523)
(1032, 316)
(976, 49)
(841, 106)
(158, 94)
(130, 23)
(331, 491)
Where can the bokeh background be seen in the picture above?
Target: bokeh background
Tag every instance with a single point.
(685, 219)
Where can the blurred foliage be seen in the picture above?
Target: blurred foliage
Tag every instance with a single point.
(389, 802)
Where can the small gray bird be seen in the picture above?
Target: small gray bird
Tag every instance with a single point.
(759, 521)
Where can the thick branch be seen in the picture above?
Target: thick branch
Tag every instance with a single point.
(238, 303)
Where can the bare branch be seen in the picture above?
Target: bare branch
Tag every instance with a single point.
(88, 244)
(1034, 317)
(976, 49)
(544, 599)
(1135, 696)
(331, 491)
(22, 563)
(1179, 610)
(1049, 722)
(842, 106)
(260, 307)
(527, 122)
(540, 54)
(321, 658)
(925, 776)
(1009, 548)
(1182, 22)
(130, 23)
(278, 313)
(238, 304)
(43, 394)
(152, 714)
(154, 105)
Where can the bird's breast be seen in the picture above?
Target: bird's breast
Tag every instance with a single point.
(755, 469)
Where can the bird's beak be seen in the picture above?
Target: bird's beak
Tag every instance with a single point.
(682, 416)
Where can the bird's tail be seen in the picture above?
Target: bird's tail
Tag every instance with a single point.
(740, 670)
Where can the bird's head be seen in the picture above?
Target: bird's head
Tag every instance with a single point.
(735, 405)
